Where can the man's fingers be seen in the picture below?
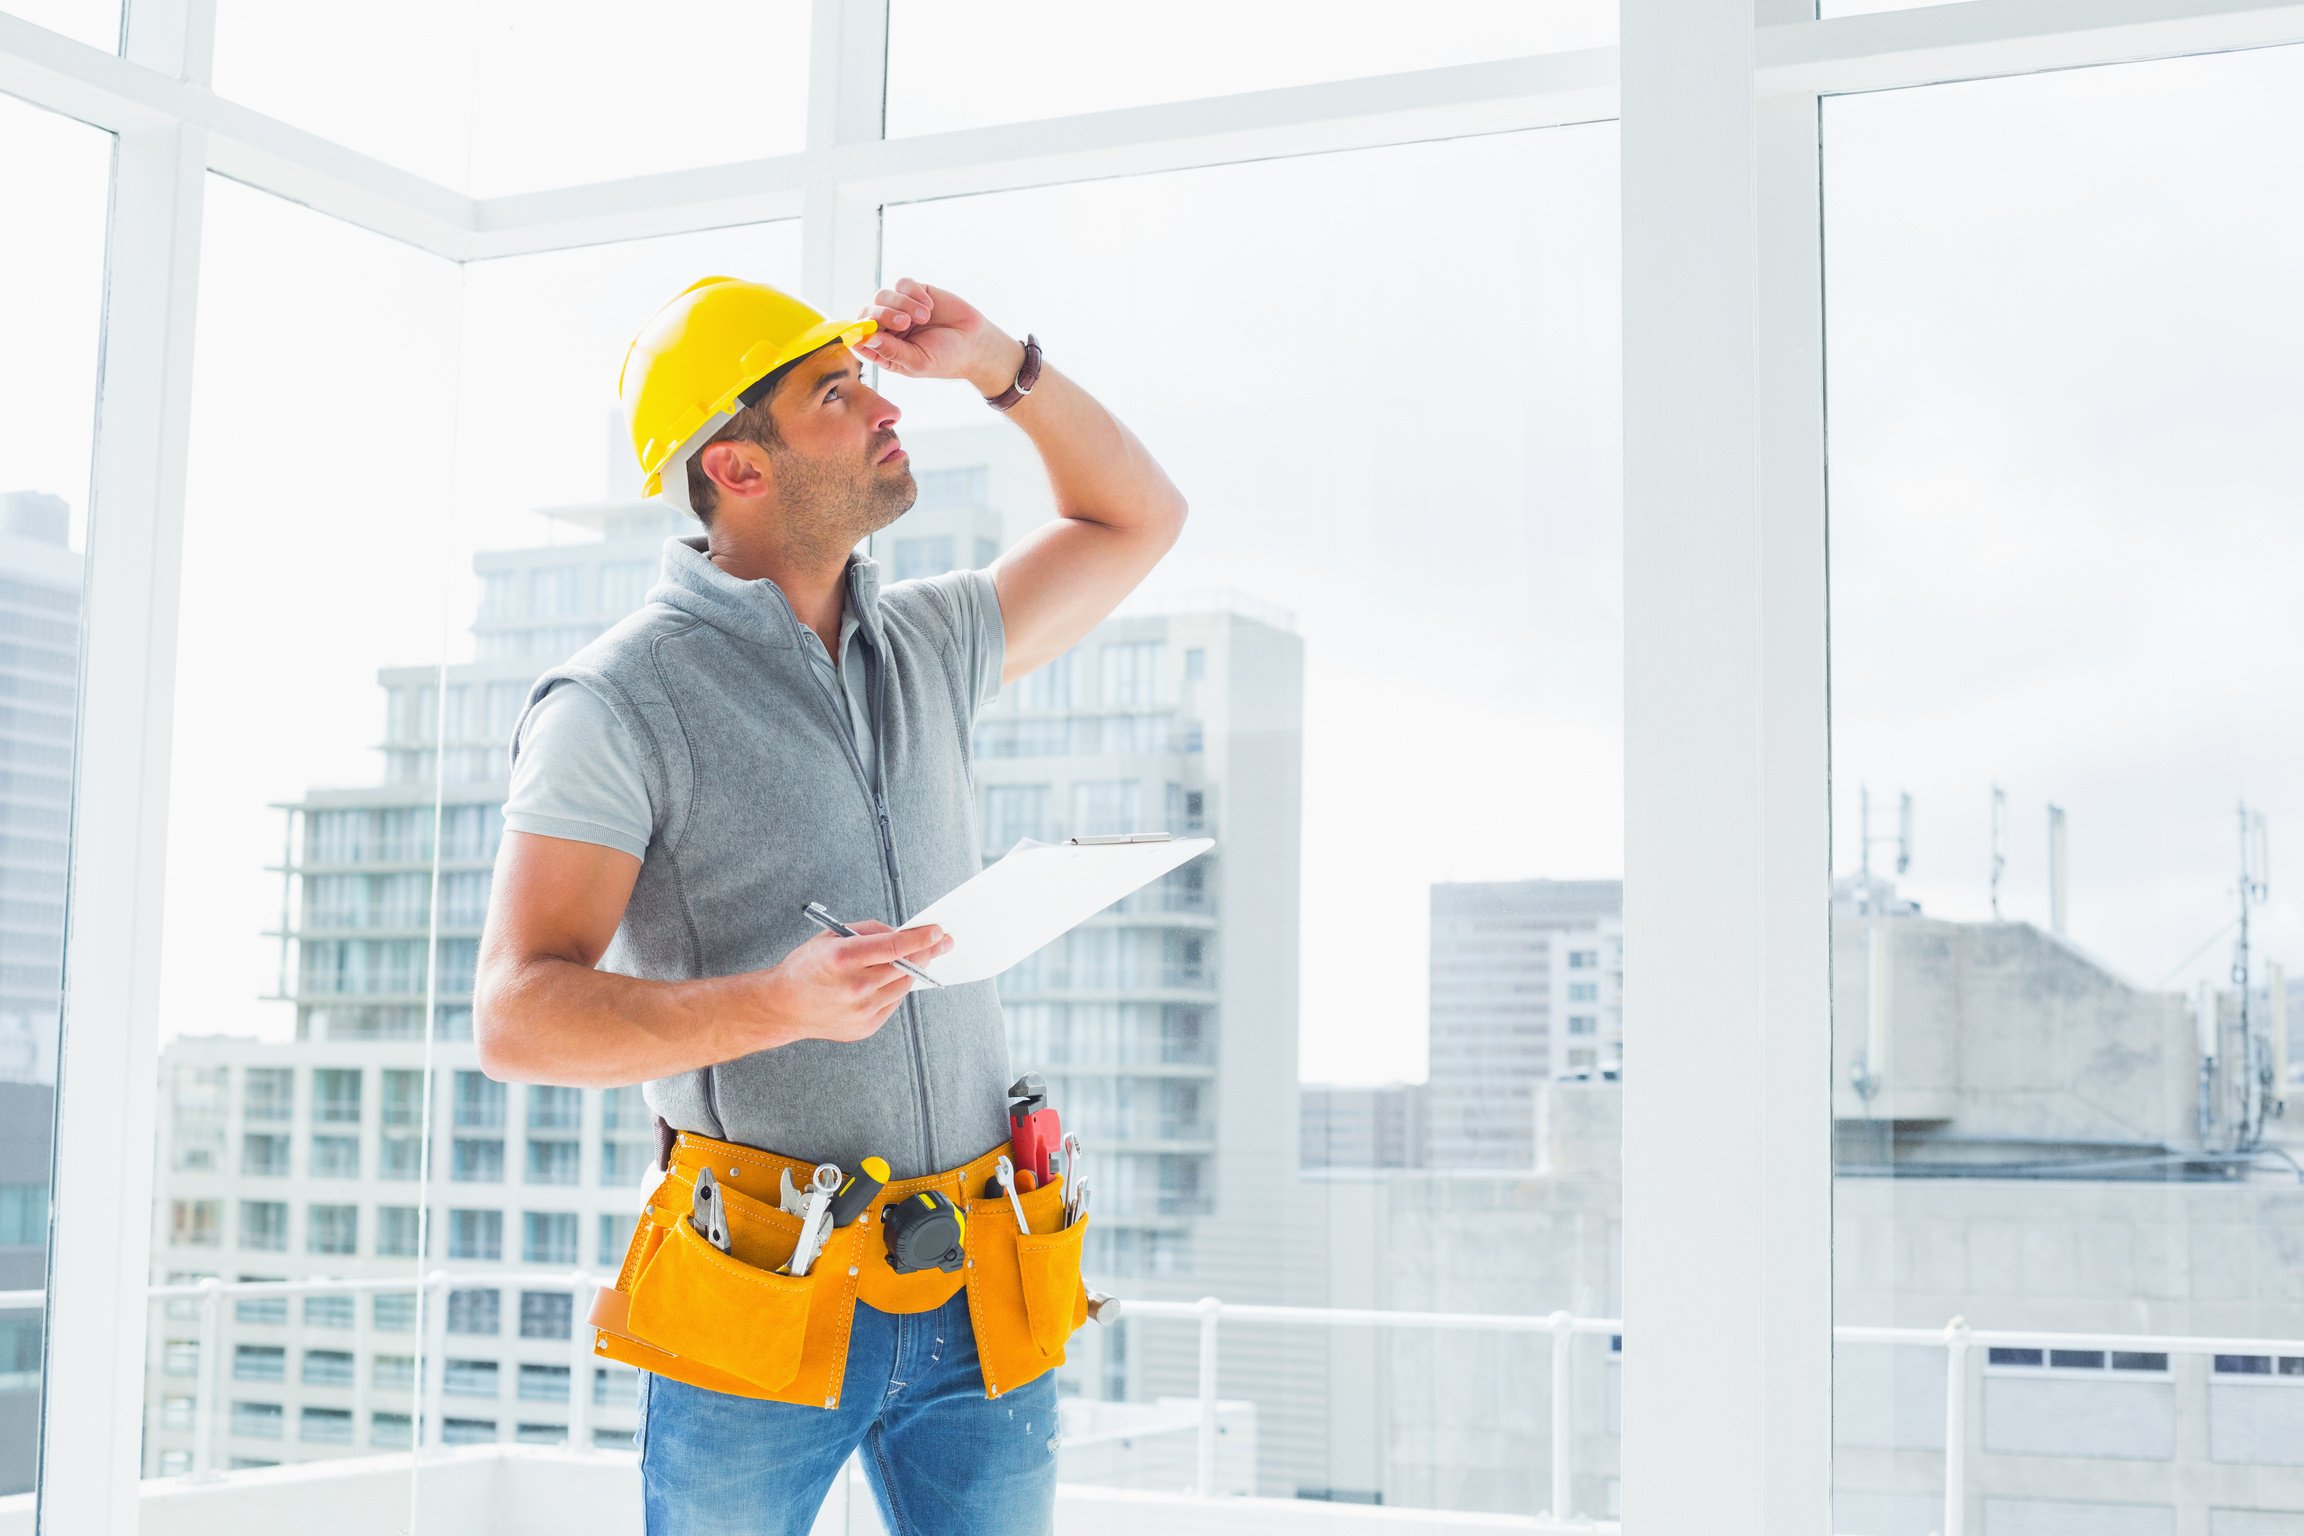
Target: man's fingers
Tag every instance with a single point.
(899, 945)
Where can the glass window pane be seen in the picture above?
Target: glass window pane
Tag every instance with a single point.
(523, 94)
(94, 22)
(293, 964)
(1068, 58)
(1343, 467)
(51, 304)
(2063, 327)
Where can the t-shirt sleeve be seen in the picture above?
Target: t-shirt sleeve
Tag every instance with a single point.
(983, 634)
(578, 774)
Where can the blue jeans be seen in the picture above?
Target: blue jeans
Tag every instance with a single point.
(942, 1459)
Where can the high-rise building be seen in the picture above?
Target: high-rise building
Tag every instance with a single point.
(39, 690)
(1527, 981)
(1170, 1051)
(1383, 1125)
(306, 1158)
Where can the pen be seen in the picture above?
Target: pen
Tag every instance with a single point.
(816, 913)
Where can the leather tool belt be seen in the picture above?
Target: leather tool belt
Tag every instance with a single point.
(727, 1322)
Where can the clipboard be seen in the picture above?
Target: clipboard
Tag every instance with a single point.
(1038, 892)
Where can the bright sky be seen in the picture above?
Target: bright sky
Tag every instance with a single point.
(2062, 341)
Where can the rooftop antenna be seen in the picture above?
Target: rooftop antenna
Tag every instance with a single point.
(1901, 837)
(2258, 1092)
(1999, 859)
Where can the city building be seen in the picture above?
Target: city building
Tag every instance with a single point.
(1350, 1125)
(1527, 984)
(325, 1155)
(39, 680)
(2024, 1155)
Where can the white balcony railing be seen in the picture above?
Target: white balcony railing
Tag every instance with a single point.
(1959, 1342)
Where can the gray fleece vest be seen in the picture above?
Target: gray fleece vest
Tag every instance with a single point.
(760, 806)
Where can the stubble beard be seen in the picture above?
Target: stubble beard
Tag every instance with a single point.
(833, 510)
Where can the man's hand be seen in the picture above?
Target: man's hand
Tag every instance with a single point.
(831, 988)
(930, 333)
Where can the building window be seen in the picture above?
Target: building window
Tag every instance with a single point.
(180, 1357)
(393, 1372)
(552, 1162)
(545, 1314)
(479, 1102)
(259, 1362)
(1013, 811)
(549, 1237)
(335, 1157)
(264, 1155)
(1583, 991)
(540, 1434)
(624, 1163)
(327, 1368)
(470, 1378)
(397, 1231)
(467, 1431)
(259, 1421)
(544, 1383)
(176, 1412)
(268, 1094)
(394, 1312)
(922, 557)
(1195, 663)
(615, 1237)
(403, 1097)
(476, 1235)
(477, 1162)
(615, 1384)
(475, 1312)
(191, 1224)
(390, 1429)
(329, 1312)
(1583, 1024)
(264, 1225)
(555, 1109)
(402, 1158)
(1104, 806)
(261, 1309)
(624, 1109)
(332, 1229)
(336, 1095)
(1131, 674)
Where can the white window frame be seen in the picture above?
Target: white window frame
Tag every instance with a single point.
(1727, 1127)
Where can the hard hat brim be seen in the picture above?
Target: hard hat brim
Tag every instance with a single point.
(757, 365)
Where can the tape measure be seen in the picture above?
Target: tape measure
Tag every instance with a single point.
(926, 1231)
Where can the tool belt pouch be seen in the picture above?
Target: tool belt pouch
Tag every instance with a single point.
(730, 1313)
(1025, 1294)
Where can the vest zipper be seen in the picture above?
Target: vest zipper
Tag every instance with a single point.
(910, 1005)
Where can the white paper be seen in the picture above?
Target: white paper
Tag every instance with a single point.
(1037, 892)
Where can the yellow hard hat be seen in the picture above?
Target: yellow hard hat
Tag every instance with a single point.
(689, 369)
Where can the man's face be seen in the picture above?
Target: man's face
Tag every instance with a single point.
(838, 474)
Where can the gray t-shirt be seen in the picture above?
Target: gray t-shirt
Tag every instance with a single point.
(578, 775)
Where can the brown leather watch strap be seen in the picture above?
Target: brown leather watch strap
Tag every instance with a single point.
(1026, 377)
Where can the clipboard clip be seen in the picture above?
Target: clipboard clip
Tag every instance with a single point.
(1119, 837)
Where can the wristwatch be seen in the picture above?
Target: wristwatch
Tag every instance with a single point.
(1026, 377)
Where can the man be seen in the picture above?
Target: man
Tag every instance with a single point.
(774, 728)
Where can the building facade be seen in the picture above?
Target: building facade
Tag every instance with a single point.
(39, 681)
(1512, 963)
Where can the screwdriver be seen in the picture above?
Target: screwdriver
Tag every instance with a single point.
(857, 1192)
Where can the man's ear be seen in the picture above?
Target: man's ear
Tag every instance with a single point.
(735, 469)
